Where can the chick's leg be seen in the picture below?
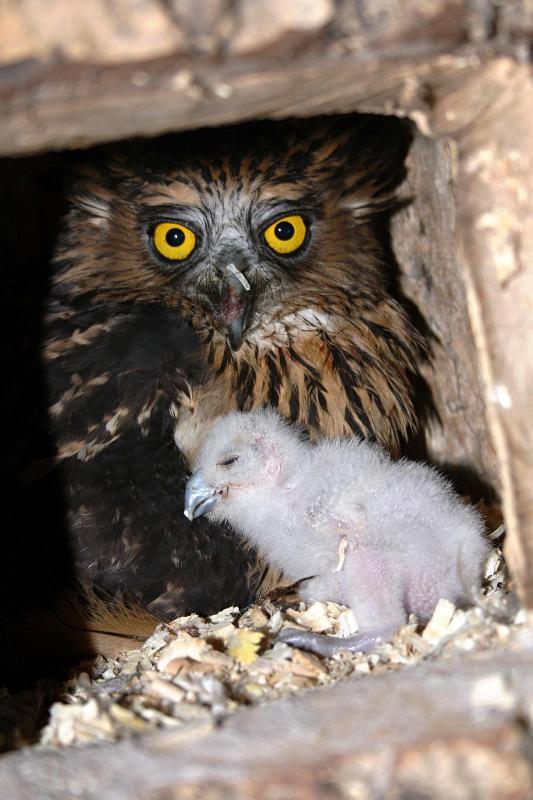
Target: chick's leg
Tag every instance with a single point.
(375, 592)
(327, 646)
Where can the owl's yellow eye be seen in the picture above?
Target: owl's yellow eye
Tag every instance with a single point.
(286, 235)
(174, 241)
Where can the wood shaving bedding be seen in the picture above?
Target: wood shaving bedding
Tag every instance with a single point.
(195, 671)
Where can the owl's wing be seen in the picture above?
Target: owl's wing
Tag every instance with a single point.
(110, 369)
(112, 518)
(116, 379)
(131, 538)
(333, 512)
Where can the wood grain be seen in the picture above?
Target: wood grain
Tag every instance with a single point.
(445, 730)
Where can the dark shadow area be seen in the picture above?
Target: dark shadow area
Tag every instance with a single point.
(468, 482)
(34, 551)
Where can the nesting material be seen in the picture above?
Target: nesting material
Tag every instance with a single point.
(439, 623)
(191, 674)
(194, 672)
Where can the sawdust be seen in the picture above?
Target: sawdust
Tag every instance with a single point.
(194, 672)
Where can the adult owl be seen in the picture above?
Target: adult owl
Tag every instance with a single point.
(200, 273)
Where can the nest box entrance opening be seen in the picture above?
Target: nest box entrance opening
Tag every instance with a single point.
(425, 270)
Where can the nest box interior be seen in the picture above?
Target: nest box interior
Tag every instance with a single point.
(463, 256)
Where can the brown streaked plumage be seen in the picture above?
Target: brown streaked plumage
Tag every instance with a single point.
(142, 352)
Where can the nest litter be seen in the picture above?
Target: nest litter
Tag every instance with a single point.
(193, 672)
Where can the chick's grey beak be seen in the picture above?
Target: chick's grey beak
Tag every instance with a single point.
(199, 497)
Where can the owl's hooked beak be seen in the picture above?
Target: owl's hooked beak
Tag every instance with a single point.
(235, 304)
(199, 496)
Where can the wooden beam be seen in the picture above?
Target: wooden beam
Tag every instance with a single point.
(453, 729)
(74, 74)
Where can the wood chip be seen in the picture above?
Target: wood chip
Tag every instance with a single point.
(347, 623)
(222, 633)
(127, 719)
(307, 665)
(255, 618)
(160, 689)
(243, 646)
(225, 616)
(315, 618)
(194, 671)
(437, 626)
(184, 646)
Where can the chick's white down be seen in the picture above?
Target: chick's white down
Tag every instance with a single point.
(408, 538)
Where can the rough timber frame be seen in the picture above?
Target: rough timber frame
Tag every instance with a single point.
(74, 73)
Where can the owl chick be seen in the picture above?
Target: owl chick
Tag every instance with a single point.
(384, 538)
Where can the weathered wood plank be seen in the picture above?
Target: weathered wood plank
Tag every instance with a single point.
(431, 275)
(112, 31)
(74, 73)
(487, 120)
(77, 107)
(456, 729)
(495, 206)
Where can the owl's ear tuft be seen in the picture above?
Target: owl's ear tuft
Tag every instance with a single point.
(368, 164)
(95, 205)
